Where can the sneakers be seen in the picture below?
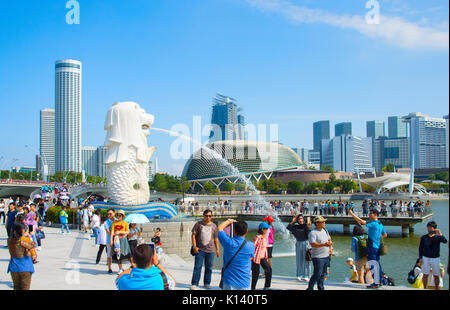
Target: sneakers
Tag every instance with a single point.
(120, 271)
(110, 271)
(193, 287)
(299, 279)
(207, 286)
(373, 285)
(306, 279)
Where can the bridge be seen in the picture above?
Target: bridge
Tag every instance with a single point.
(14, 188)
(406, 222)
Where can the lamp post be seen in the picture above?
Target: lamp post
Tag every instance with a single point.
(10, 168)
(44, 160)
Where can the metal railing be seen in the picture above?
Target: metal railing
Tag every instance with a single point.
(223, 211)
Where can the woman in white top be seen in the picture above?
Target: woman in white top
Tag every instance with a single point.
(101, 241)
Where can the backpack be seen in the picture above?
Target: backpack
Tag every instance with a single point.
(411, 277)
(362, 246)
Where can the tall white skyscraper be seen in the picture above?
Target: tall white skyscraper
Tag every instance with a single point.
(47, 141)
(447, 154)
(348, 153)
(68, 115)
(428, 143)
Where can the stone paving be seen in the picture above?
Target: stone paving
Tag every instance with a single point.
(67, 262)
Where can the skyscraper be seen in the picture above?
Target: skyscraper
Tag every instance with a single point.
(343, 129)
(446, 141)
(225, 119)
(68, 115)
(396, 127)
(47, 141)
(321, 130)
(89, 160)
(394, 151)
(101, 154)
(348, 153)
(428, 140)
(375, 129)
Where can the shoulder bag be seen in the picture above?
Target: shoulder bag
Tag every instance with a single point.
(229, 262)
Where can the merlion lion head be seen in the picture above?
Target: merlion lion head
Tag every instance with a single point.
(127, 125)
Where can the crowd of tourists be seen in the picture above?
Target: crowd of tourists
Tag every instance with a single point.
(243, 259)
(396, 208)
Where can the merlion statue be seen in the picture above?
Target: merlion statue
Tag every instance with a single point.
(127, 155)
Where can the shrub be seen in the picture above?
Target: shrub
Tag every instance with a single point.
(52, 214)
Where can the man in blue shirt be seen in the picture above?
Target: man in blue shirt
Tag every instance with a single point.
(375, 231)
(11, 215)
(148, 273)
(238, 274)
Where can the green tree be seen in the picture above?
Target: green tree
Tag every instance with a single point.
(209, 187)
(432, 177)
(159, 183)
(229, 187)
(388, 168)
(240, 187)
(295, 187)
(327, 168)
(329, 187)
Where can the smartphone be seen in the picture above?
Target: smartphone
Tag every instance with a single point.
(229, 230)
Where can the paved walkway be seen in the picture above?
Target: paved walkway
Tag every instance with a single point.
(67, 262)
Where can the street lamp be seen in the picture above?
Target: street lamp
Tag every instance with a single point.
(44, 160)
(10, 168)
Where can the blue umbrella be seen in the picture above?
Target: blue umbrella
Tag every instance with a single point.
(136, 218)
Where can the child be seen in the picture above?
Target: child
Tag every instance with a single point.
(418, 283)
(32, 252)
(260, 258)
(63, 218)
(354, 274)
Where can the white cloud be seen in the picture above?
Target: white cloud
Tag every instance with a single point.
(394, 30)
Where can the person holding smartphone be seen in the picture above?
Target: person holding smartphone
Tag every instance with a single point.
(429, 252)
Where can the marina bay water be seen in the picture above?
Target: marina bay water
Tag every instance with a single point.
(400, 259)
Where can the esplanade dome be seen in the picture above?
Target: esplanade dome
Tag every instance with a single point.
(246, 156)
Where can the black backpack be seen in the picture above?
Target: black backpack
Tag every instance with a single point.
(411, 277)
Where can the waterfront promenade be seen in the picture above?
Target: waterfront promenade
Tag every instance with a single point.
(67, 262)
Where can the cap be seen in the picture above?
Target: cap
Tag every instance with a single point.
(349, 259)
(264, 225)
(268, 218)
(319, 219)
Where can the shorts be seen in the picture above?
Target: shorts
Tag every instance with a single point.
(269, 251)
(431, 263)
(86, 222)
(108, 250)
(361, 264)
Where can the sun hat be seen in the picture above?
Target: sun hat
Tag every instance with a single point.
(349, 259)
(120, 212)
(264, 225)
(319, 219)
(268, 218)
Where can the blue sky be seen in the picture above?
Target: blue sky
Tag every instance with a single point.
(288, 62)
